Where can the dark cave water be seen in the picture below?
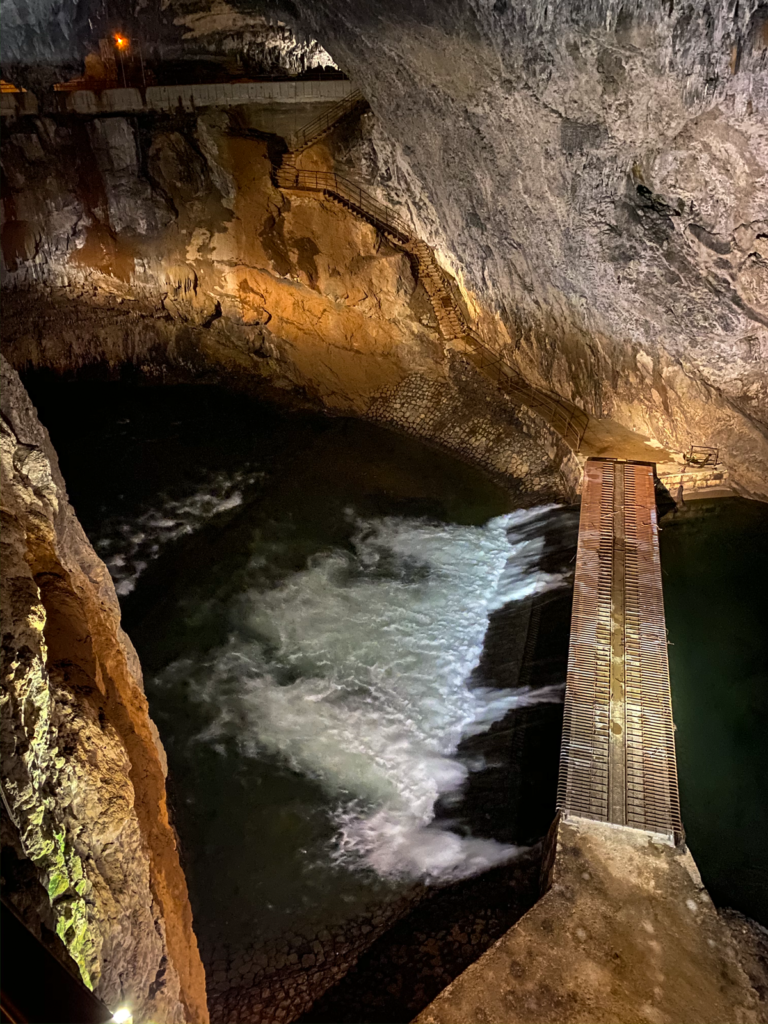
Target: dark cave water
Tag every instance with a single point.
(354, 649)
(714, 559)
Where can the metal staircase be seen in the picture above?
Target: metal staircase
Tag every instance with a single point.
(568, 420)
(314, 130)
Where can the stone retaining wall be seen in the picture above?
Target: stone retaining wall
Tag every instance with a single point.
(466, 415)
(692, 478)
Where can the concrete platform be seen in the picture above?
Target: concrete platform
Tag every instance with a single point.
(625, 934)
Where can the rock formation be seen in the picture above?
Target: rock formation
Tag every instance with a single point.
(596, 175)
(164, 244)
(82, 765)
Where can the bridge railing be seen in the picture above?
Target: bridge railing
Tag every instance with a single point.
(312, 130)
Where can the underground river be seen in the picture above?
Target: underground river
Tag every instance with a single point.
(354, 648)
(714, 558)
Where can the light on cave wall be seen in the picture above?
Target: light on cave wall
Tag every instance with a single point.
(123, 1016)
(121, 42)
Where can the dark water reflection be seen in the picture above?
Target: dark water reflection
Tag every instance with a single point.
(278, 921)
(714, 559)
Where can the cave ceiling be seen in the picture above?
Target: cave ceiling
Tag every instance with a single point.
(596, 170)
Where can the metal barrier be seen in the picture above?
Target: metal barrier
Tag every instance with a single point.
(701, 455)
(346, 192)
(569, 420)
(313, 130)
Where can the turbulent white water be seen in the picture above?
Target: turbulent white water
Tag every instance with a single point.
(129, 545)
(356, 671)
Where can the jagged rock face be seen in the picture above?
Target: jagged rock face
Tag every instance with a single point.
(82, 765)
(180, 219)
(47, 41)
(175, 253)
(597, 173)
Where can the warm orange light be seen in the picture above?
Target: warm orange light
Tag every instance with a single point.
(121, 42)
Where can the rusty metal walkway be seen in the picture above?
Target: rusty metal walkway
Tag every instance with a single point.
(617, 761)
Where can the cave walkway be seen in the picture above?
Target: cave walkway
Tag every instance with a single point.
(617, 760)
(567, 419)
(582, 432)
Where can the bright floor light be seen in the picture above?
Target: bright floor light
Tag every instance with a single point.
(123, 1016)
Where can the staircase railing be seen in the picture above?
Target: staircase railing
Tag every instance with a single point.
(346, 192)
(312, 130)
(568, 420)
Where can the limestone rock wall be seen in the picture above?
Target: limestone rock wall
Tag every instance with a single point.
(82, 766)
(177, 219)
(596, 173)
(467, 415)
(593, 172)
(160, 243)
(47, 41)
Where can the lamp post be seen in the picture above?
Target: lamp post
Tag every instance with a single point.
(121, 43)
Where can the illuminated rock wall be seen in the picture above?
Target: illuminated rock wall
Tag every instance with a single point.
(160, 243)
(597, 173)
(83, 768)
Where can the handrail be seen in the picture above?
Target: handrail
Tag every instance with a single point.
(568, 420)
(346, 191)
(572, 420)
(312, 130)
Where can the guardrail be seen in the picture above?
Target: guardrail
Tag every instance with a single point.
(567, 419)
(313, 130)
(347, 193)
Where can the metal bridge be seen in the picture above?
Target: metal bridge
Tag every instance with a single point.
(617, 761)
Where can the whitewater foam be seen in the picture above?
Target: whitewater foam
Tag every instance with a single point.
(356, 672)
(128, 546)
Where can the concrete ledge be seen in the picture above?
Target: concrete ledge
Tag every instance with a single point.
(17, 104)
(625, 933)
(175, 97)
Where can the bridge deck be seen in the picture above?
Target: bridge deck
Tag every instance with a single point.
(617, 761)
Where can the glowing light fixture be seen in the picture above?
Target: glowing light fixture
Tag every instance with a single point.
(121, 42)
(123, 1016)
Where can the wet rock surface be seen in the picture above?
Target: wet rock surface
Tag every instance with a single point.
(597, 178)
(428, 948)
(280, 979)
(626, 931)
(89, 853)
(468, 416)
(385, 967)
